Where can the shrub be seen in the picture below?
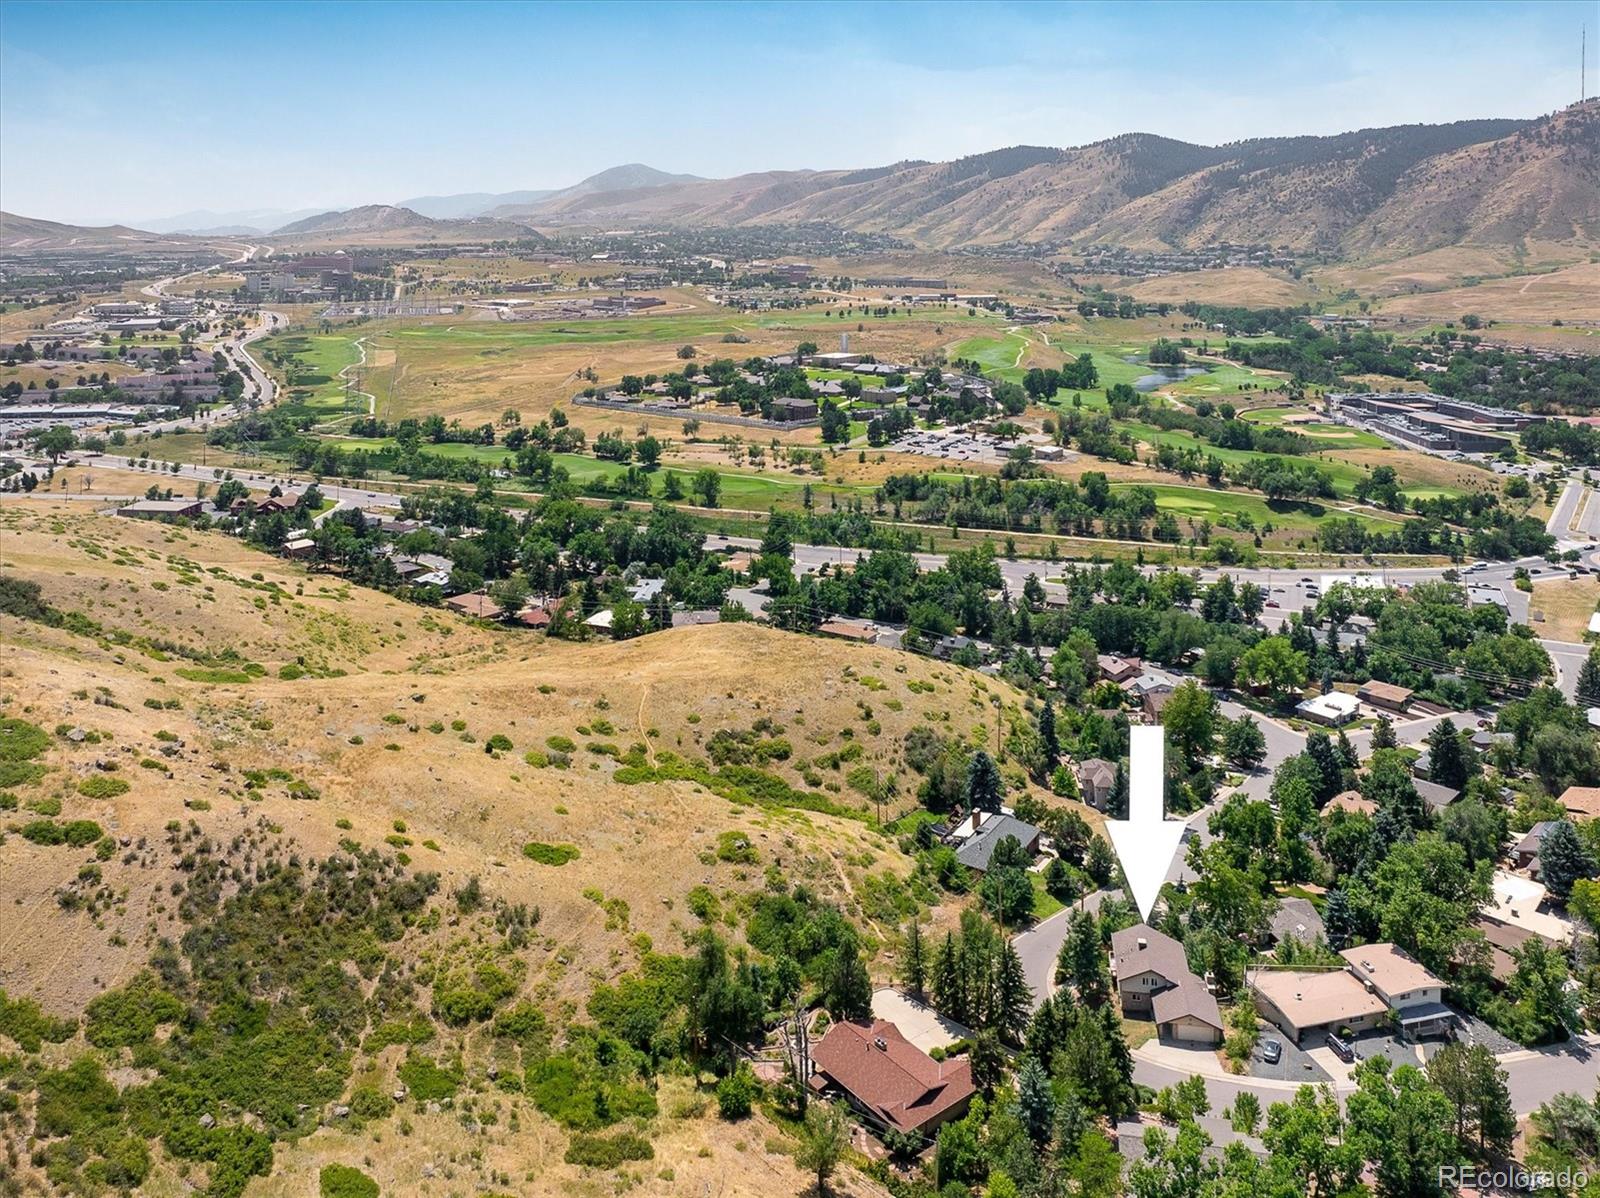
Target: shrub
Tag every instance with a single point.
(498, 743)
(737, 1092)
(549, 854)
(426, 1080)
(608, 1152)
(22, 1020)
(561, 744)
(129, 1015)
(736, 847)
(77, 833)
(369, 1102)
(102, 787)
(344, 1181)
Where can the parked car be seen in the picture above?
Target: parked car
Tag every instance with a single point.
(1341, 1049)
(1271, 1051)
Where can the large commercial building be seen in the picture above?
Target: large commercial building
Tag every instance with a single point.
(1432, 422)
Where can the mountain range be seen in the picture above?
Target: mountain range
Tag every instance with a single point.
(1372, 193)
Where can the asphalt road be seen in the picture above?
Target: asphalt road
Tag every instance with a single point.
(1533, 1078)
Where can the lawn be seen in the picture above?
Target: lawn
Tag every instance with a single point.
(314, 387)
(996, 355)
(742, 489)
(1345, 476)
(1045, 904)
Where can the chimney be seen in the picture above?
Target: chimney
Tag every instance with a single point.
(880, 1044)
(1143, 944)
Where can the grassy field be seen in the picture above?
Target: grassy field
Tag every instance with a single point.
(314, 386)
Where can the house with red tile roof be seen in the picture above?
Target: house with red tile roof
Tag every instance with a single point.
(889, 1079)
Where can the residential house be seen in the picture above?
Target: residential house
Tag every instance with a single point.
(286, 502)
(1118, 669)
(1408, 989)
(1155, 701)
(1525, 853)
(1332, 709)
(1504, 941)
(1582, 802)
(1435, 795)
(1154, 981)
(477, 605)
(691, 619)
(1097, 778)
(646, 589)
(1353, 802)
(888, 1079)
(537, 615)
(861, 631)
(299, 547)
(1312, 1003)
(1298, 918)
(1385, 695)
(982, 832)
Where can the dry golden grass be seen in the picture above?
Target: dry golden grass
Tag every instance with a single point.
(1427, 271)
(410, 671)
(1565, 606)
(400, 735)
(1248, 286)
(1572, 294)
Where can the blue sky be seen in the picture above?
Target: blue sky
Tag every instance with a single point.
(129, 111)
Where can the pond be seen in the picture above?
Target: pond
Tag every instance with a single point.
(1164, 375)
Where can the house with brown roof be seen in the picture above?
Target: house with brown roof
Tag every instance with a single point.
(1097, 778)
(1118, 669)
(1503, 940)
(477, 605)
(1582, 801)
(1352, 801)
(1385, 694)
(1154, 982)
(862, 632)
(890, 1080)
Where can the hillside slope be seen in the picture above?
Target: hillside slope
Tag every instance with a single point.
(338, 720)
(31, 233)
(1391, 191)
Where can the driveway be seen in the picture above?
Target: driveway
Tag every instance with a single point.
(917, 1021)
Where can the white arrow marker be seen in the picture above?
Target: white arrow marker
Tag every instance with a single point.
(1146, 841)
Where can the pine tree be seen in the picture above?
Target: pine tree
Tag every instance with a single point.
(1048, 738)
(1036, 1104)
(948, 993)
(1588, 694)
(1338, 921)
(1082, 960)
(1448, 765)
(983, 788)
(849, 988)
(1013, 995)
(1346, 752)
(1383, 734)
(1322, 754)
(1563, 859)
(914, 966)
